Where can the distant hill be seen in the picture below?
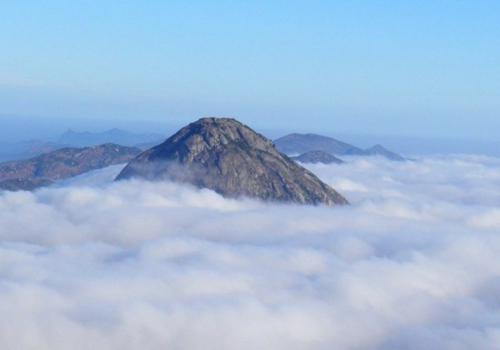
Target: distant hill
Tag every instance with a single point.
(315, 157)
(301, 143)
(228, 157)
(61, 164)
(379, 150)
(118, 136)
(294, 144)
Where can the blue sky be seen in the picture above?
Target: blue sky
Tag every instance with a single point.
(421, 68)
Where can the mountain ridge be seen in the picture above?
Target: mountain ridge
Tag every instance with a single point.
(297, 143)
(61, 164)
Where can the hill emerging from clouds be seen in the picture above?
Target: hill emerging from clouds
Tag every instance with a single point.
(293, 144)
(61, 164)
(317, 157)
(228, 157)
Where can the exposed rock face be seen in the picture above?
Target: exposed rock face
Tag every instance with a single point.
(302, 143)
(317, 157)
(61, 164)
(230, 158)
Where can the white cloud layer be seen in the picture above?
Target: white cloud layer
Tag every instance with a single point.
(412, 264)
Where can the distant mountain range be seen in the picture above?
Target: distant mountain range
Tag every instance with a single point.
(26, 149)
(33, 148)
(298, 144)
(61, 164)
(293, 144)
(117, 136)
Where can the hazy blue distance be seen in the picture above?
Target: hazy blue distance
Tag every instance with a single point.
(423, 69)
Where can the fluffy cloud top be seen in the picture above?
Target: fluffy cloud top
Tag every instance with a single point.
(133, 265)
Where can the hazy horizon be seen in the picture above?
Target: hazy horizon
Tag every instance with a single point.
(47, 129)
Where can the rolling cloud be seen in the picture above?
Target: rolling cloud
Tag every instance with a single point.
(411, 264)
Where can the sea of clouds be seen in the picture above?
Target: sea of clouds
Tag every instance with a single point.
(411, 264)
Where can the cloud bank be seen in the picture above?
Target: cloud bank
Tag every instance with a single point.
(134, 265)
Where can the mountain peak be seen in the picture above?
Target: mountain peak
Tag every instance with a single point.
(212, 133)
(379, 150)
(230, 158)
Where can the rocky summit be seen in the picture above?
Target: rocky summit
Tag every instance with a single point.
(228, 157)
